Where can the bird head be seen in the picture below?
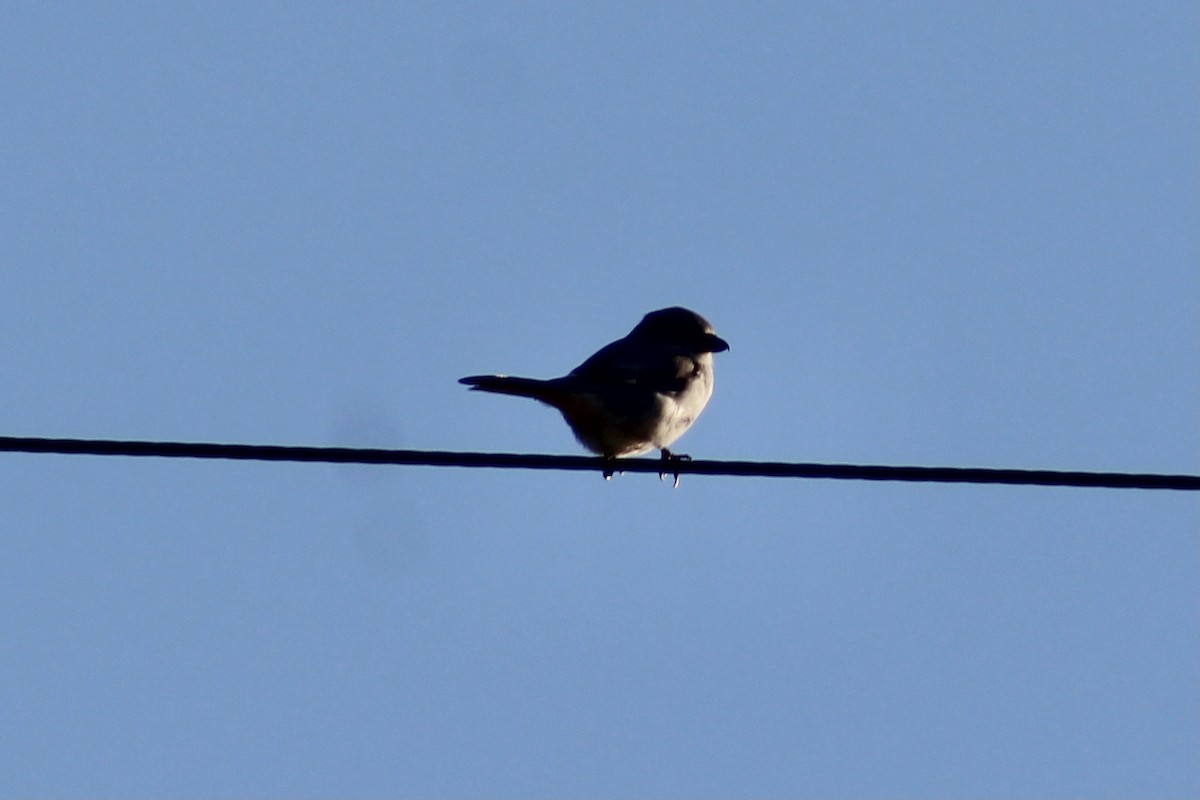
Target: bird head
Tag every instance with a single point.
(680, 326)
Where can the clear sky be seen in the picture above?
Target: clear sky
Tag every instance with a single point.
(959, 234)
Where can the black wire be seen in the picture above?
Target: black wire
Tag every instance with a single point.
(435, 458)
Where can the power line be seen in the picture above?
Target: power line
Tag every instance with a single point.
(437, 458)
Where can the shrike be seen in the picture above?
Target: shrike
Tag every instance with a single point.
(635, 394)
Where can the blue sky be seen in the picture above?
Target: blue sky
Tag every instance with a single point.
(937, 233)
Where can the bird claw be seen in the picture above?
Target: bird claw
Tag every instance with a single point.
(667, 457)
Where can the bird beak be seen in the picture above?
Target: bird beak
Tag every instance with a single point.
(715, 344)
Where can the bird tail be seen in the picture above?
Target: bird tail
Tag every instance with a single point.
(545, 391)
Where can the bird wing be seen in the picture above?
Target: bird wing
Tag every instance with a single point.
(655, 367)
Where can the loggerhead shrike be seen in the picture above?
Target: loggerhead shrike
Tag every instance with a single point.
(634, 395)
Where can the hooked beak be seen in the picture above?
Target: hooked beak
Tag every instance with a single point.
(715, 344)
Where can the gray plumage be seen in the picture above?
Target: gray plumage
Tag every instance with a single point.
(634, 395)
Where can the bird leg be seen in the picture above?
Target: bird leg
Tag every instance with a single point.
(667, 458)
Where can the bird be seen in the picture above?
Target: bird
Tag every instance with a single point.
(633, 395)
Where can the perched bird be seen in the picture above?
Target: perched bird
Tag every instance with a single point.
(635, 394)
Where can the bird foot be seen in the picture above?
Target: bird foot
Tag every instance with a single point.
(667, 458)
(608, 473)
